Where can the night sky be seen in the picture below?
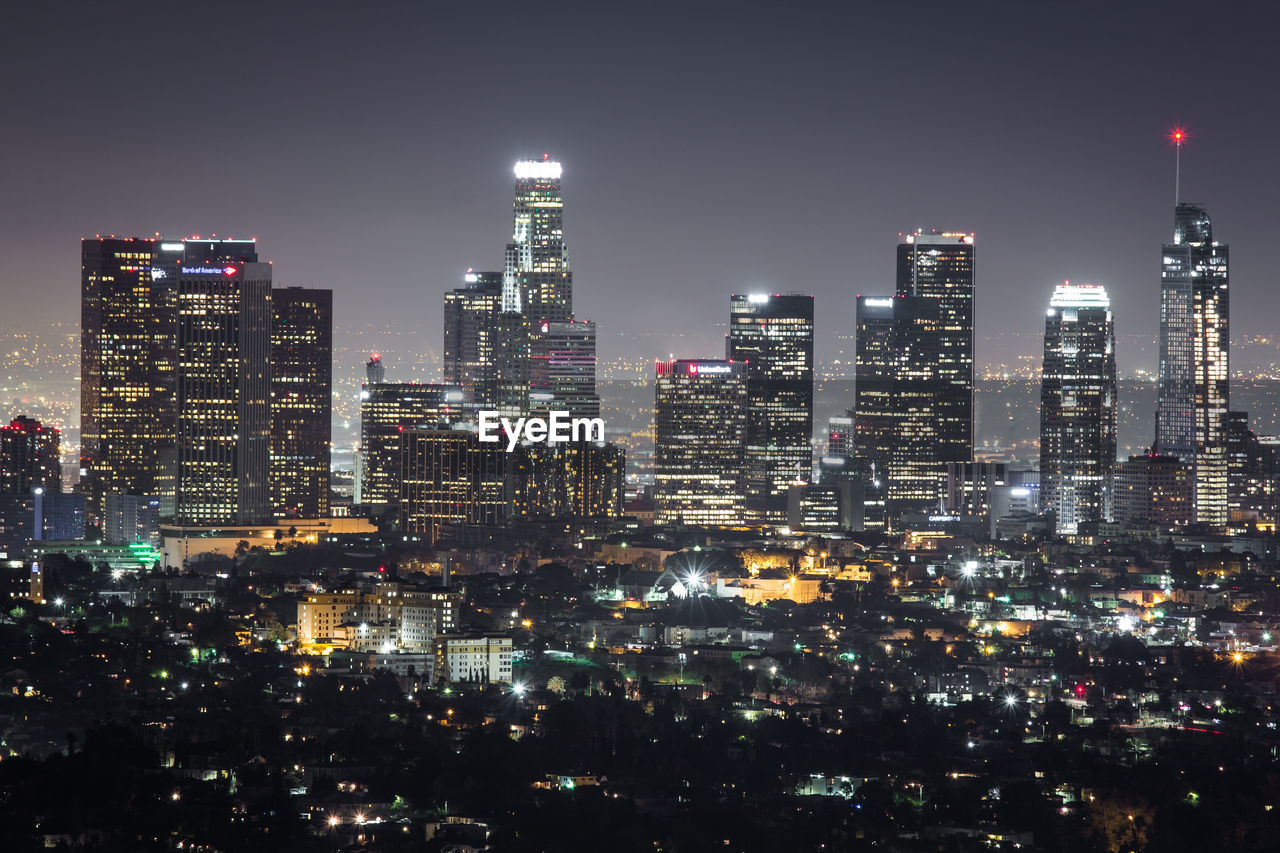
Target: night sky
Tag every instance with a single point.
(782, 146)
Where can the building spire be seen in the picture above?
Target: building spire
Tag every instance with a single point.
(1178, 135)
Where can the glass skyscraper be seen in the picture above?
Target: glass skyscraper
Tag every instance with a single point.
(537, 281)
(897, 394)
(941, 265)
(773, 334)
(700, 431)
(1078, 406)
(562, 369)
(128, 362)
(301, 401)
(471, 337)
(1191, 412)
(224, 384)
(386, 410)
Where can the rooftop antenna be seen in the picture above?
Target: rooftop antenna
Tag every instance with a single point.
(1178, 135)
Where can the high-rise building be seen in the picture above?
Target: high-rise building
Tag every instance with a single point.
(513, 349)
(578, 479)
(970, 486)
(773, 334)
(700, 425)
(537, 281)
(128, 519)
(942, 266)
(386, 410)
(471, 342)
(1078, 406)
(224, 384)
(1191, 412)
(1254, 471)
(29, 457)
(375, 372)
(128, 362)
(562, 369)
(1152, 489)
(897, 391)
(301, 401)
(449, 476)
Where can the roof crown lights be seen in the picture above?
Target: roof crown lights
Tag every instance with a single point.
(1068, 295)
(538, 169)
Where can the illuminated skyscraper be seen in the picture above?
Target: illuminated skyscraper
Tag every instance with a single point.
(897, 392)
(386, 410)
(224, 384)
(1191, 412)
(471, 345)
(577, 479)
(449, 477)
(942, 266)
(700, 432)
(562, 369)
(1078, 406)
(537, 281)
(773, 334)
(374, 372)
(301, 401)
(128, 361)
(29, 457)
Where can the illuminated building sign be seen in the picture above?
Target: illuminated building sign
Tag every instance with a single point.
(209, 270)
(696, 368)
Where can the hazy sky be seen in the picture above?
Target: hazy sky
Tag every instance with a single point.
(707, 147)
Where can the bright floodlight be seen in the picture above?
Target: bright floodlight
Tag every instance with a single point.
(545, 169)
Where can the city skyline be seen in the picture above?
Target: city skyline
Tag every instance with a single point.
(1087, 166)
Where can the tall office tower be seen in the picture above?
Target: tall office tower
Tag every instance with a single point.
(301, 401)
(471, 337)
(1191, 412)
(1078, 406)
(128, 359)
(700, 433)
(773, 334)
(1152, 489)
(374, 372)
(29, 457)
(224, 384)
(386, 410)
(449, 477)
(1253, 469)
(537, 281)
(580, 479)
(897, 394)
(562, 369)
(942, 266)
(512, 350)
